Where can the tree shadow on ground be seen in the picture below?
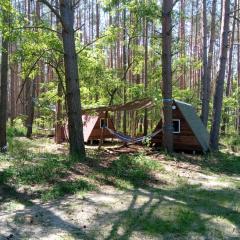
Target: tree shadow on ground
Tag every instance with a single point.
(187, 208)
(171, 214)
(163, 212)
(9, 193)
(219, 162)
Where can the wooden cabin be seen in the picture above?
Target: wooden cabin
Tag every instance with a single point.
(92, 124)
(189, 133)
(93, 128)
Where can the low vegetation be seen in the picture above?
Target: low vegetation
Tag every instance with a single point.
(172, 196)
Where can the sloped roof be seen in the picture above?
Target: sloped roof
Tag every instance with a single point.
(89, 123)
(195, 123)
(134, 105)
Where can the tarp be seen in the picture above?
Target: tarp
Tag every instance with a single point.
(130, 106)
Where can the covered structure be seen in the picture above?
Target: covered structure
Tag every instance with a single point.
(130, 106)
(189, 133)
(96, 121)
(94, 127)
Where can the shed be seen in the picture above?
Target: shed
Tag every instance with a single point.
(93, 127)
(93, 119)
(189, 133)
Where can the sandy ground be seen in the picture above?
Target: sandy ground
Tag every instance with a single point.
(96, 215)
(99, 215)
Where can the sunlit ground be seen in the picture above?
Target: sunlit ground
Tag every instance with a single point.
(112, 195)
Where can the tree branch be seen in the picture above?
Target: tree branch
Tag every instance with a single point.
(29, 72)
(37, 27)
(89, 44)
(49, 5)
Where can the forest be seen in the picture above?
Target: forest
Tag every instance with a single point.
(119, 119)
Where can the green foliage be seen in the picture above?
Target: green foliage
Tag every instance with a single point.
(186, 95)
(29, 168)
(17, 129)
(135, 169)
(69, 187)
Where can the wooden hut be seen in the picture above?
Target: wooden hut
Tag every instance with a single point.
(189, 133)
(93, 127)
(94, 118)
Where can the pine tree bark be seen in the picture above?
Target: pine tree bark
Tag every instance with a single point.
(4, 88)
(59, 106)
(225, 119)
(219, 88)
(30, 107)
(75, 126)
(229, 76)
(182, 79)
(206, 90)
(167, 74)
(238, 73)
(145, 120)
(124, 52)
(72, 80)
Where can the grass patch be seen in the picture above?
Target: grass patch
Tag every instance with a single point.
(232, 142)
(47, 169)
(173, 211)
(133, 168)
(41, 169)
(62, 188)
(129, 171)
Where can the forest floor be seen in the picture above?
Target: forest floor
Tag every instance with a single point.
(117, 194)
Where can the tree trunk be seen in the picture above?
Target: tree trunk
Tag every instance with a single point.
(167, 74)
(145, 121)
(124, 49)
(238, 73)
(4, 92)
(182, 79)
(206, 90)
(75, 126)
(225, 119)
(13, 83)
(30, 107)
(229, 77)
(59, 116)
(219, 88)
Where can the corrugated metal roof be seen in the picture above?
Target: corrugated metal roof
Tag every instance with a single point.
(195, 123)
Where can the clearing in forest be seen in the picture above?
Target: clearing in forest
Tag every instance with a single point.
(117, 195)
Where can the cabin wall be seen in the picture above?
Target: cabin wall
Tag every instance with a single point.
(185, 140)
(97, 131)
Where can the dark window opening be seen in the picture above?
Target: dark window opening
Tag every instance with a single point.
(176, 126)
(103, 123)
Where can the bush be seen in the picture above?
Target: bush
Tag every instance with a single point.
(17, 129)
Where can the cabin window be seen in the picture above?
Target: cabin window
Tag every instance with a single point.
(103, 122)
(176, 126)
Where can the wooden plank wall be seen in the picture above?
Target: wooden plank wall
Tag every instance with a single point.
(183, 141)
